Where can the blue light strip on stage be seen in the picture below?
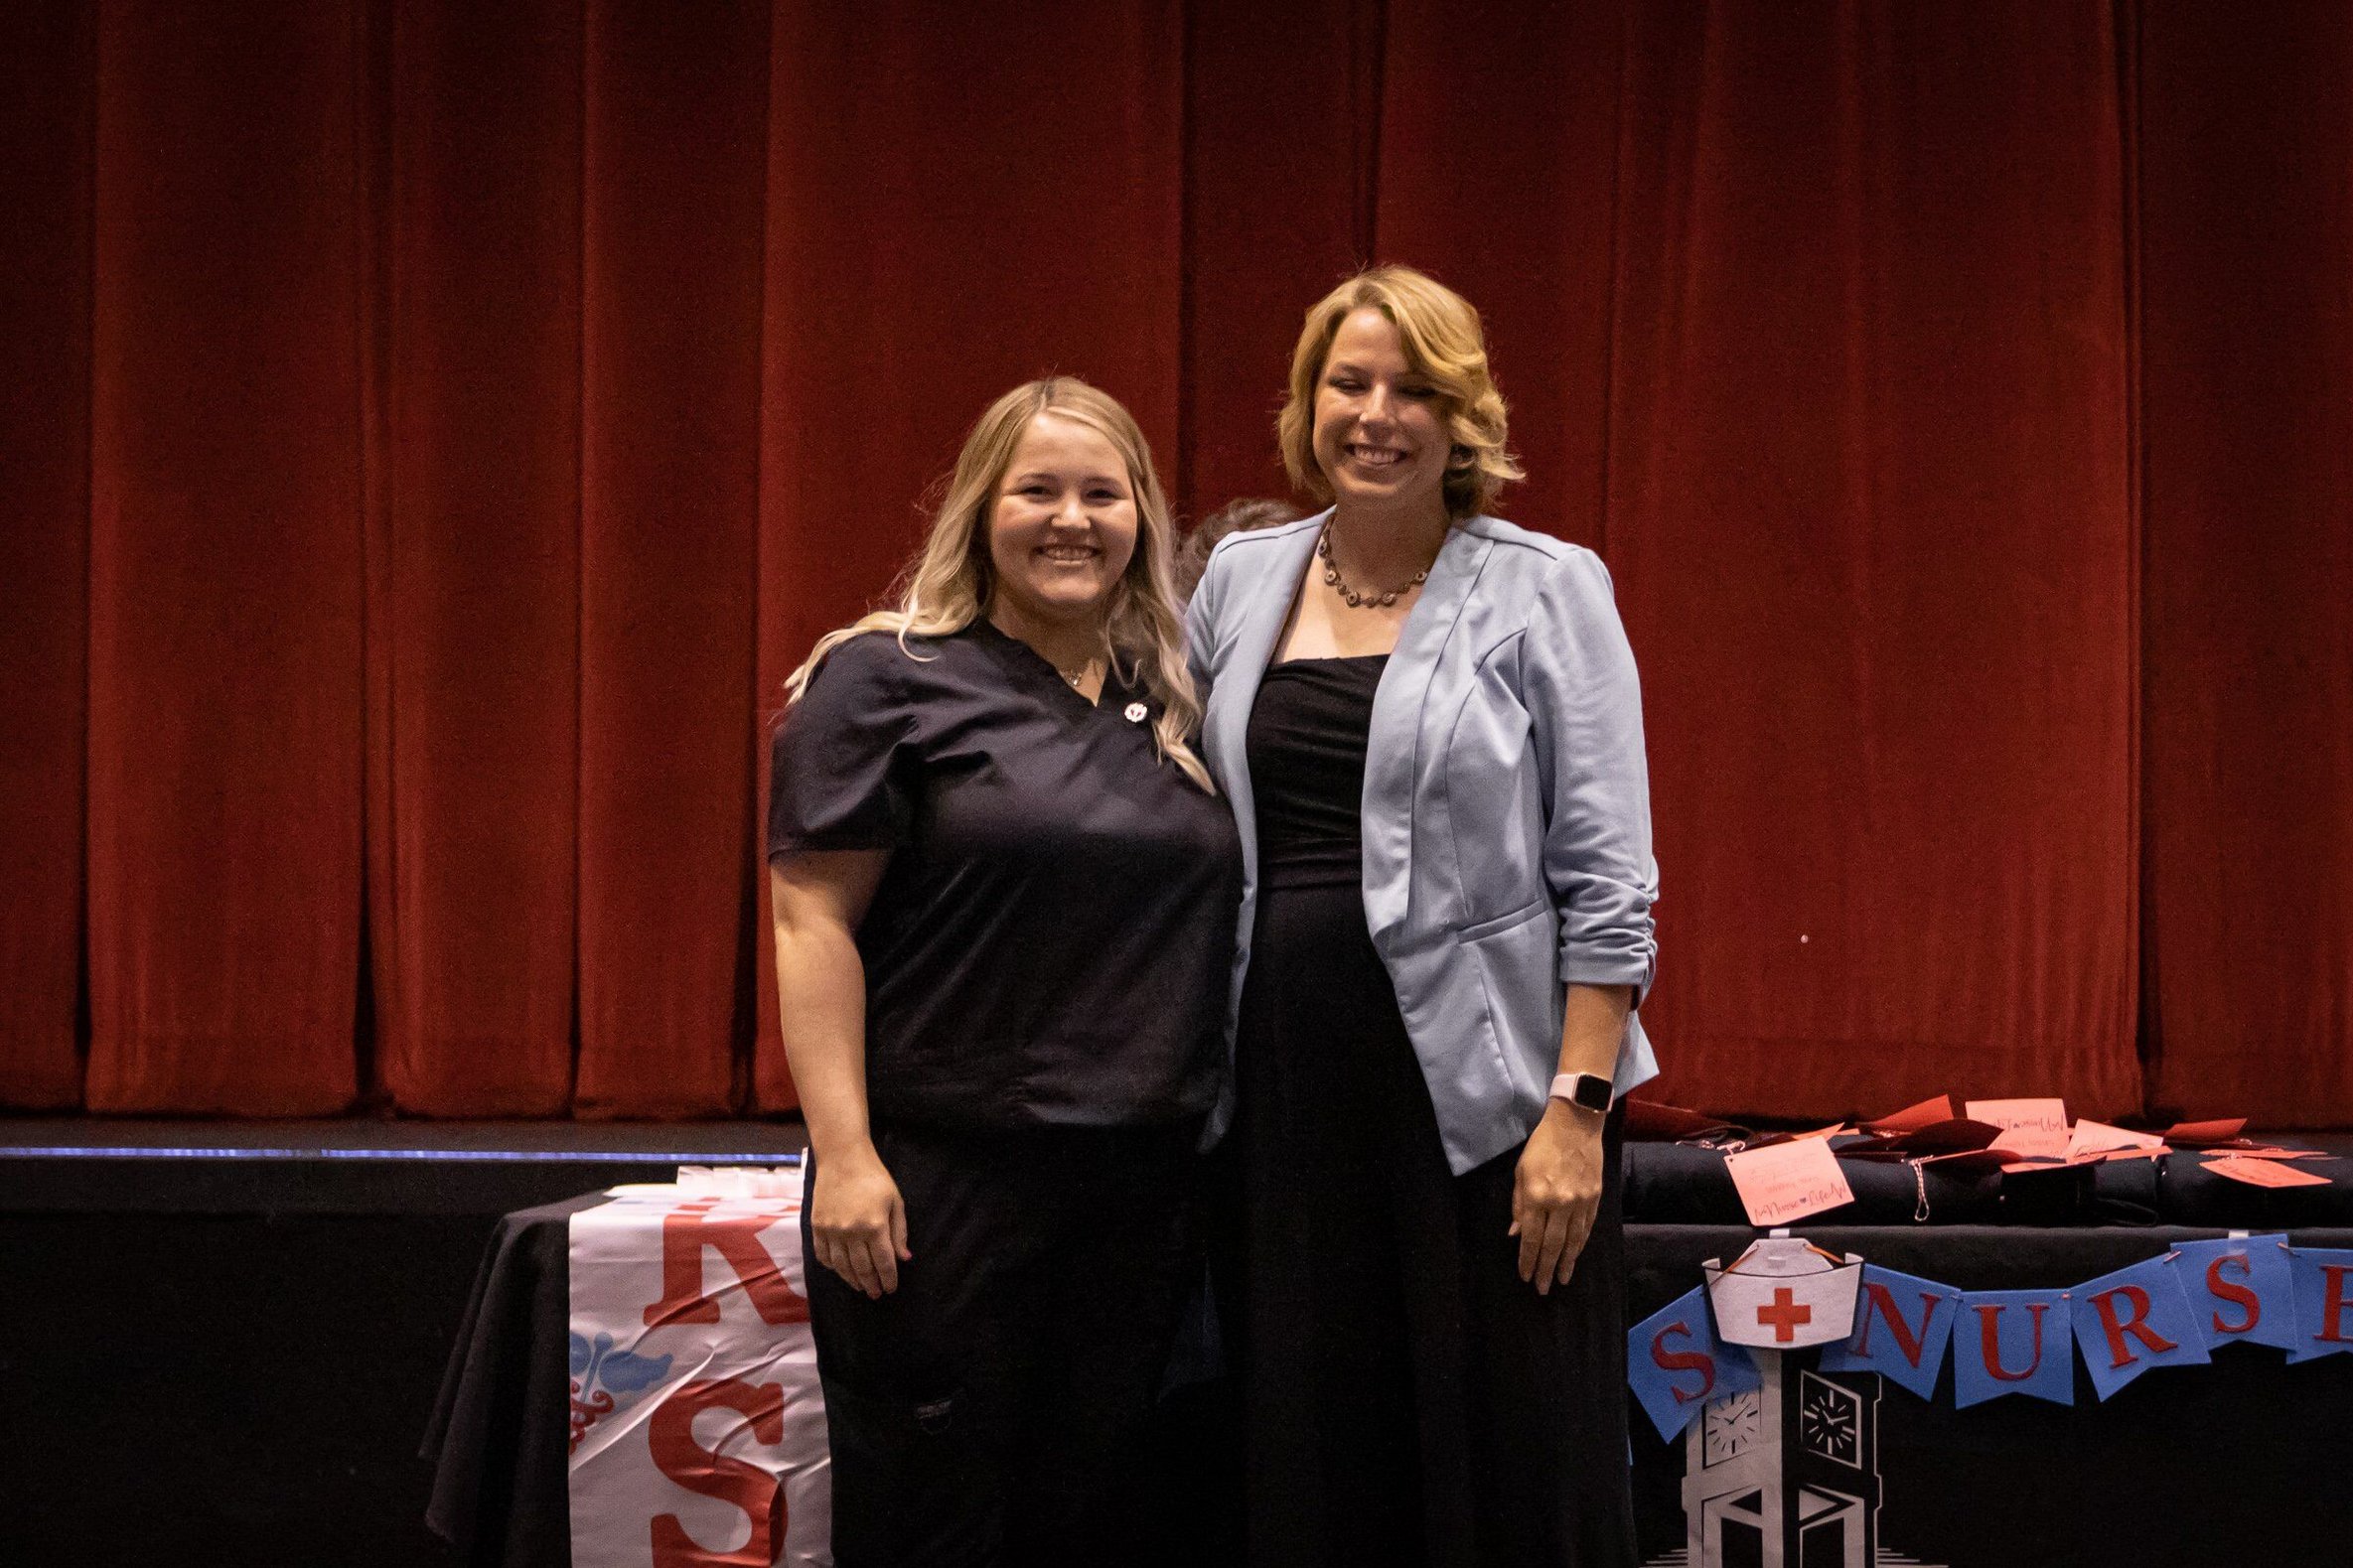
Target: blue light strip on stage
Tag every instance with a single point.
(528, 1156)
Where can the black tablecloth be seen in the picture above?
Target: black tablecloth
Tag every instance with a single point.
(2241, 1460)
(500, 1437)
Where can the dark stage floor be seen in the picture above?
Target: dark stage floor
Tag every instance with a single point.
(89, 1164)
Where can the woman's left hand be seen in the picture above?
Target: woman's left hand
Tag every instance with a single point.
(1556, 1193)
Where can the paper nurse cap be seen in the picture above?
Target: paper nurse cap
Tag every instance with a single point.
(1783, 1294)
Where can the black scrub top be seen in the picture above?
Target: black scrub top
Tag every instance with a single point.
(1051, 939)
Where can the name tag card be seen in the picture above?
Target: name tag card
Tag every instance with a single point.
(2028, 1126)
(1787, 1180)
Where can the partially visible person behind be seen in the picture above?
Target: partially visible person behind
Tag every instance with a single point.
(1235, 516)
(1004, 892)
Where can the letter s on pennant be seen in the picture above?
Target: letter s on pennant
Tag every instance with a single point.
(2237, 1295)
(1683, 1362)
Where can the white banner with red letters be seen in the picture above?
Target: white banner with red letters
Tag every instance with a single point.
(698, 1429)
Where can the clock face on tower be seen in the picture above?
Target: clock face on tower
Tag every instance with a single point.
(1733, 1426)
(1830, 1421)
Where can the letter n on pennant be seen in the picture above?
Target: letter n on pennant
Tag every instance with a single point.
(1902, 1328)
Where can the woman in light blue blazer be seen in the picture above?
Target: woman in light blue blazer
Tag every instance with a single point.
(1428, 726)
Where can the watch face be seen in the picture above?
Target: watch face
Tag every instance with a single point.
(1592, 1091)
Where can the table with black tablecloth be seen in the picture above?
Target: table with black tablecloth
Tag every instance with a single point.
(2241, 1459)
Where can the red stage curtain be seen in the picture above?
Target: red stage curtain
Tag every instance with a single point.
(1460, 197)
(1870, 521)
(430, 433)
(45, 84)
(1282, 152)
(919, 266)
(226, 571)
(677, 164)
(2247, 366)
(473, 908)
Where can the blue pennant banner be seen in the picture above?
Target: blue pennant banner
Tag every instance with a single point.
(2322, 1283)
(2239, 1290)
(2013, 1342)
(1675, 1364)
(1902, 1327)
(2133, 1319)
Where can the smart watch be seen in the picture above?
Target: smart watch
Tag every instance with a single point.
(1588, 1090)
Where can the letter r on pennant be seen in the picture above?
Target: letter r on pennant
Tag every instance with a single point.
(2135, 1325)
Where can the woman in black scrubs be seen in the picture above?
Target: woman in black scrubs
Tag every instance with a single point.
(1004, 891)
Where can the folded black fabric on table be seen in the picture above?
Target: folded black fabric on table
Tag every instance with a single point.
(1688, 1185)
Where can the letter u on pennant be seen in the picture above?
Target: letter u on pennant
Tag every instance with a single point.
(2010, 1353)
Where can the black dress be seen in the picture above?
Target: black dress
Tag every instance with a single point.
(1405, 1398)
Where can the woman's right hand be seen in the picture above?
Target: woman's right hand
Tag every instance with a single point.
(857, 1221)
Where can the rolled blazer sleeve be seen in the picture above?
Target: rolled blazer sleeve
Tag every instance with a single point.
(1584, 705)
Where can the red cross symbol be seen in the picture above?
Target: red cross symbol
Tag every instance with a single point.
(1784, 1316)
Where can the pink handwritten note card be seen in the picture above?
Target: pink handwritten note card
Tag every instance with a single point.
(2097, 1137)
(2028, 1126)
(2263, 1172)
(1787, 1180)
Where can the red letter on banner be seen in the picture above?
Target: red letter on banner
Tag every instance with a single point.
(760, 1495)
(2137, 1325)
(1990, 1335)
(2333, 1303)
(1682, 1362)
(1881, 1303)
(2240, 1295)
(685, 1231)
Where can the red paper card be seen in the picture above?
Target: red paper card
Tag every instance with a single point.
(1649, 1119)
(2028, 1126)
(1913, 1117)
(2222, 1131)
(1787, 1180)
(2263, 1172)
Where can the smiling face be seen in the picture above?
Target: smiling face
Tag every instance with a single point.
(1381, 435)
(1062, 526)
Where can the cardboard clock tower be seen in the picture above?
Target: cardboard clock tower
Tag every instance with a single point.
(1786, 1475)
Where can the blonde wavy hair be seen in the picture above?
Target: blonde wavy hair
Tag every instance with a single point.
(1442, 339)
(947, 586)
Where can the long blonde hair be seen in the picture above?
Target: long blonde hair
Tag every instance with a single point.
(1440, 334)
(947, 586)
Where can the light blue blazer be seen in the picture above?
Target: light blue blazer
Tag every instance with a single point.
(1506, 815)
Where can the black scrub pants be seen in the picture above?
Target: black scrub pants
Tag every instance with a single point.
(979, 1413)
